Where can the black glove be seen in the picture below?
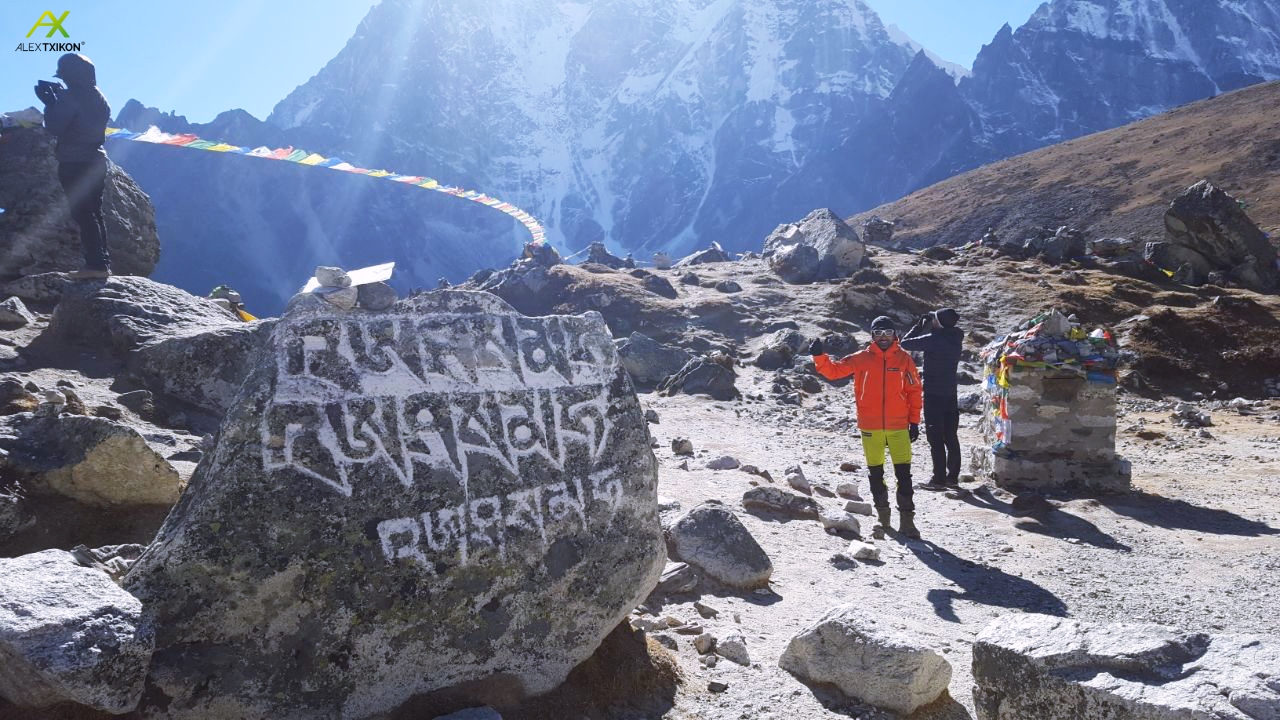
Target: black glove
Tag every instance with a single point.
(913, 431)
(816, 349)
(46, 94)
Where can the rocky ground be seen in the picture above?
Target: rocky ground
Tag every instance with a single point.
(1194, 545)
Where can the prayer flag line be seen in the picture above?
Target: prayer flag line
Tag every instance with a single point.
(302, 157)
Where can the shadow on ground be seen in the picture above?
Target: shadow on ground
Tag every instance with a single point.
(944, 708)
(1045, 518)
(981, 584)
(1163, 512)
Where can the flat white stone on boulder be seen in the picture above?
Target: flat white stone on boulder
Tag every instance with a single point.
(711, 537)
(69, 633)
(443, 496)
(869, 659)
(1051, 668)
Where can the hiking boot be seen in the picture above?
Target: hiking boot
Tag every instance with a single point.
(907, 526)
(935, 486)
(886, 522)
(88, 274)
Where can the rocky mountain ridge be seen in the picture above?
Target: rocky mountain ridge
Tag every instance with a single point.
(696, 121)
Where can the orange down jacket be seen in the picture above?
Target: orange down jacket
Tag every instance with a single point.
(886, 385)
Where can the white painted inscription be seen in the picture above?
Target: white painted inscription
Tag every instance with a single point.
(424, 402)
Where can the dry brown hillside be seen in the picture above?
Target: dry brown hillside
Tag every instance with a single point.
(1112, 184)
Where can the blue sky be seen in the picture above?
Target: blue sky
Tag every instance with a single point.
(200, 58)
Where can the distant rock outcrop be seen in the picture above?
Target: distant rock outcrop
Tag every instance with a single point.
(840, 251)
(1209, 233)
(443, 495)
(39, 234)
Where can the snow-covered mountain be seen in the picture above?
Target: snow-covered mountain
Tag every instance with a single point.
(666, 124)
(1080, 66)
(645, 123)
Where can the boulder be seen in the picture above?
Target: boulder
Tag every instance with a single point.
(713, 539)
(14, 314)
(940, 253)
(69, 634)
(204, 369)
(677, 577)
(1207, 230)
(659, 286)
(1049, 668)
(15, 398)
(868, 659)
(713, 254)
(733, 647)
(376, 296)
(42, 288)
(649, 361)
(840, 251)
(447, 496)
(1110, 247)
(839, 519)
(332, 277)
(781, 502)
(40, 235)
(1067, 243)
(91, 460)
(702, 376)
(125, 313)
(15, 516)
(795, 264)
(728, 286)
(877, 231)
(690, 278)
(597, 253)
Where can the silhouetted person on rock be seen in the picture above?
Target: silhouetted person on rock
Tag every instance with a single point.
(937, 336)
(77, 116)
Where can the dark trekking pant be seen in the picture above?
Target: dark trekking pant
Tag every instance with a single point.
(880, 491)
(84, 183)
(941, 425)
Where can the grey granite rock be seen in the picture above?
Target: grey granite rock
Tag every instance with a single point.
(89, 459)
(1051, 668)
(869, 659)
(376, 296)
(782, 502)
(712, 538)
(332, 277)
(68, 633)
(13, 313)
(125, 313)
(204, 368)
(649, 361)
(444, 495)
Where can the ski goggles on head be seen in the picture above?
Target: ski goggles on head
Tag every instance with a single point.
(883, 333)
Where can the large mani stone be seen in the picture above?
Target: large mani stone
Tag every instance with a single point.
(445, 494)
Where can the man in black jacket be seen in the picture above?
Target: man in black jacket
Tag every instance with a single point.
(77, 116)
(937, 336)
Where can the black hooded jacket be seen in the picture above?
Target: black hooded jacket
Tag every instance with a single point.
(941, 348)
(79, 117)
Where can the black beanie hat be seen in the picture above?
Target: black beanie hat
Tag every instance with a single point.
(882, 323)
(947, 317)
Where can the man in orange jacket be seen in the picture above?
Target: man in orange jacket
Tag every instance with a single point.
(887, 387)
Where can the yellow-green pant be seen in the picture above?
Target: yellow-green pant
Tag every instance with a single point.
(875, 441)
